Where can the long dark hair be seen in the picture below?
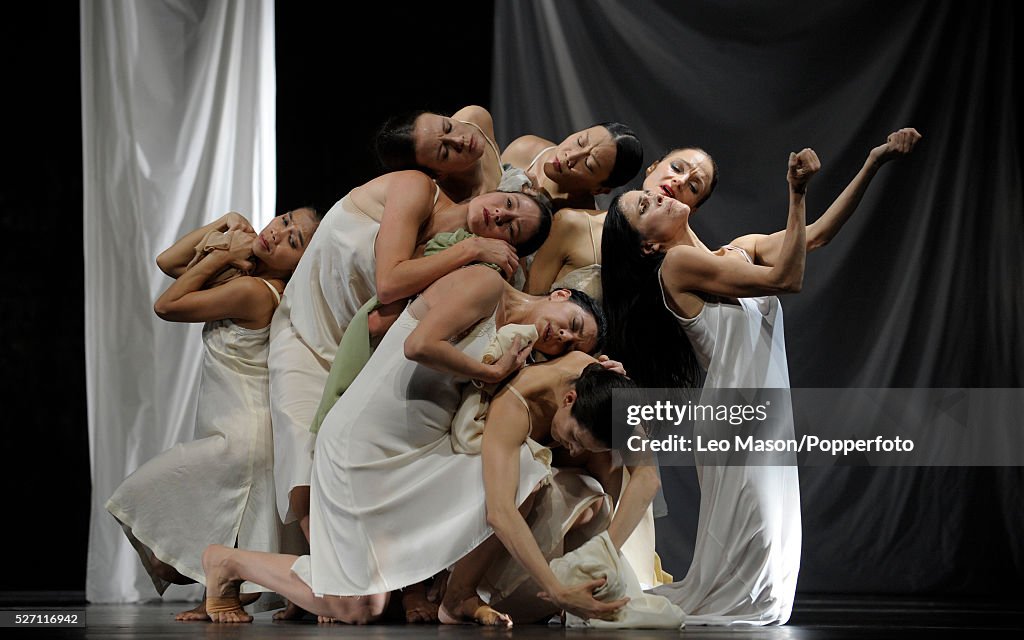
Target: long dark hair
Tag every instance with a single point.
(629, 154)
(643, 334)
(593, 407)
(540, 198)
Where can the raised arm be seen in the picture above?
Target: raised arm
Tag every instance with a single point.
(765, 249)
(457, 302)
(176, 257)
(687, 268)
(507, 429)
(410, 198)
(245, 299)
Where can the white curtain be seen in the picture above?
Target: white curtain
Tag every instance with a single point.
(178, 125)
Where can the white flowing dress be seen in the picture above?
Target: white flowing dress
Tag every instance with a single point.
(334, 278)
(747, 552)
(391, 502)
(218, 488)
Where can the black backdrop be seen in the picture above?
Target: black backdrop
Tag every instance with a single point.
(339, 74)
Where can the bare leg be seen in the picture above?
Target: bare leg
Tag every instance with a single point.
(298, 505)
(461, 602)
(227, 568)
(166, 572)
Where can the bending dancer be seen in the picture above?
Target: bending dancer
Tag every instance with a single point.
(458, 152)
(367, 248)
(392, 502)
(588, 162)
(217, 488)
(567, 401)
(709, 304)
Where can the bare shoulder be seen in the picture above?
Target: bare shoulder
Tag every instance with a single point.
(253, 295)
(522, 150)
(410, 181)
(473, 282)
(478, 115)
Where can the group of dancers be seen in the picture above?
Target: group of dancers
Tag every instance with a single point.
(481, 288)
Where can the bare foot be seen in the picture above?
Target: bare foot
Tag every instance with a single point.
(291, 612)
(222, 596)
(326, 620)
(418, 609)
(199, 613)
(471, 609)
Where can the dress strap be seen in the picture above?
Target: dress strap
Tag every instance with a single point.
(437, 192)
(491, 143)
(732, 247)
(277, 295)
(593, 242)
(516, 393)
(537, 157)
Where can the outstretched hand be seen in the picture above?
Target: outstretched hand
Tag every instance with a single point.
(897, 144)
(802, 167)
(233, 220)
(580, 601)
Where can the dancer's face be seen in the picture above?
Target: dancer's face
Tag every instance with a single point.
(568, 432)
(512, 217)
(583, 161)
(282, 242)
(656, 217)
(445, 145)
(684, 174)
(562, 326)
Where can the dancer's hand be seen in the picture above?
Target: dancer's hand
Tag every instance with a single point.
(512, 360)
(496, 252)
(240, 250)
(580, 601)
(233, 220)
(899, 143)
(611, 365)
(802, 166)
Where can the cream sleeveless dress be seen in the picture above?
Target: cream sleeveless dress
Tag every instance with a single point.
(218, 488)
(335, 277)
(391, 502)
(747, 552)
(587, 278)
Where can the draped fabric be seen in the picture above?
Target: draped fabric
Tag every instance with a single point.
(922, 288)
(178, 128)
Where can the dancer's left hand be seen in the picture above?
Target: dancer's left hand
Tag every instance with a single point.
(897, 144)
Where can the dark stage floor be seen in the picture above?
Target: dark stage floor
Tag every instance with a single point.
(814, 618)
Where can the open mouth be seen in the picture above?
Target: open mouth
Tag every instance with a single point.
(263, 241)
(667, 191)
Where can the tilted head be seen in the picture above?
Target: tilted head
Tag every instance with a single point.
(567, 320)
(688, 174)
(583, 420)
(657, 220)
(433, 143)
(521, 218)
(282, 242)
(596, 160)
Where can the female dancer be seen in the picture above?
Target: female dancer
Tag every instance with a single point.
(571, 256)
(367, 248)
(392, 502)
(219, 487)
(457, 151)
(748, 533)
(567, 401)
(588, 162)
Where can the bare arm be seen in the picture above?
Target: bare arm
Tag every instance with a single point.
(479, 116)
(765, 249)
(688, 268)
(507, 429)
(243, 299)
(399, 274)
(461, 300)
(175, 258)
(643, 485)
